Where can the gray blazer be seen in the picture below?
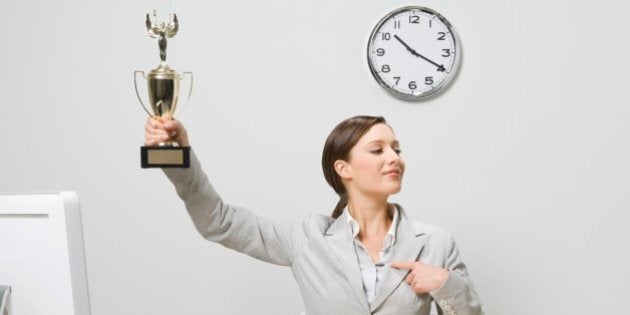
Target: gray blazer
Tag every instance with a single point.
(321, 255)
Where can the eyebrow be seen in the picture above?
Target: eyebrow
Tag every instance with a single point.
(395, 142)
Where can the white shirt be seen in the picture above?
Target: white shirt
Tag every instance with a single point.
(372, 273)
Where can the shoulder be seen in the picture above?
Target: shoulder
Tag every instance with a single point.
(319, 221)
(435, 235)
(430, 229)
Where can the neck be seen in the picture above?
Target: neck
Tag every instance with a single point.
(372, 214)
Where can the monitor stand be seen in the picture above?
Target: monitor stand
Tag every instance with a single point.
(4, 298)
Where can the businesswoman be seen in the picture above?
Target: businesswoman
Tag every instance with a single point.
(368, 257)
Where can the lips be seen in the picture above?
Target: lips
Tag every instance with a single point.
(393, 172)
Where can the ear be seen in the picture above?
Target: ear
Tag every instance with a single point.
(343, 169)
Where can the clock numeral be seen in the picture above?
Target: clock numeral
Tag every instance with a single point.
(397, 79)
(447, 53)
(414, 19)
(428, 80)
(396, 24)
(442, 35)
(412, 85)
(430, 23)
(386, 36)
(380, 52)
(385, 68)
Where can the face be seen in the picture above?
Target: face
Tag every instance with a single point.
(375, 166)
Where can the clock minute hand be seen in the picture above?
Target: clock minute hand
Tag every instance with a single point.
(413, 52)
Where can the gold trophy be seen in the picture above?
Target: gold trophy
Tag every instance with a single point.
(163, 85)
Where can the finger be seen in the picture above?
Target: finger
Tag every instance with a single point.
(415, 287)
(410, 278)
(163, 138)
(157, 133)
(153, 131)
(152, 120)
(148, 141)
(155, 123)
(157, 138)
(403, 265)
(171, 124)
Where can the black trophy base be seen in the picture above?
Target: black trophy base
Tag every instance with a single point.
(165, 157)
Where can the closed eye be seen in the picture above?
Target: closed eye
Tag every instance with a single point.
(379, 151)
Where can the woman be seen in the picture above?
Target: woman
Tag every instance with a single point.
(369, 257)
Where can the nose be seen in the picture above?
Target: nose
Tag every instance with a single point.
(392, 157)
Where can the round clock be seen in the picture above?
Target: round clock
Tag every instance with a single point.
(413, 52)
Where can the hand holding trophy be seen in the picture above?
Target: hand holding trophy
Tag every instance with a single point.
(163, 84)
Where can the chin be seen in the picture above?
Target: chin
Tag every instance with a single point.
(394, 190)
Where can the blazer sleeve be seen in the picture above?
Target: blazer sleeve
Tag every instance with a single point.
(272, 241)
(457, 296)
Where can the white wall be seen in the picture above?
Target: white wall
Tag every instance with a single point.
(524, 159)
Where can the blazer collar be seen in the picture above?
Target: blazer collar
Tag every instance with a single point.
(339, 237)
(408, 246)
(410, 241)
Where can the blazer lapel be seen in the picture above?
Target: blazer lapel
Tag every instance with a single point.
(340, 239)
(408, 246)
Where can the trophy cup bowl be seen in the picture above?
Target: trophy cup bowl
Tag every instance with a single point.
(163, 87)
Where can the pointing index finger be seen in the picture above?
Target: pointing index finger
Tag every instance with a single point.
(403, 265)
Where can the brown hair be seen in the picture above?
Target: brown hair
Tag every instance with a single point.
(337, 147)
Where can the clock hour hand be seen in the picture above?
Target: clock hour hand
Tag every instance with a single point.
(413, 52)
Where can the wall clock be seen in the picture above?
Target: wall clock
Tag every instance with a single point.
(413, 52)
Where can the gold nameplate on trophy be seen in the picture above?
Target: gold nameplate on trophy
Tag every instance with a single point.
(163, 86)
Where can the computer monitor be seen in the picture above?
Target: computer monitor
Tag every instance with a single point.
(41, 254)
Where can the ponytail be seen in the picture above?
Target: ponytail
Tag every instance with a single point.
(341, 204)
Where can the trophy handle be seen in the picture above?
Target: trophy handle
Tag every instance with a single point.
(189, 90)
(135, 84)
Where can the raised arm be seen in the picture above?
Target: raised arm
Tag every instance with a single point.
(273, 241)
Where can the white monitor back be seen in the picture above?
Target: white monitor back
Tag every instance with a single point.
(41, 254)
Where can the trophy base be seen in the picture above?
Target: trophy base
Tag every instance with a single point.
(165, 157)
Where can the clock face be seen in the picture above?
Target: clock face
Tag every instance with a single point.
(413, 52)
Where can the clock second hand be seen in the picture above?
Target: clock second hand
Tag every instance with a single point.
(413, 52)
